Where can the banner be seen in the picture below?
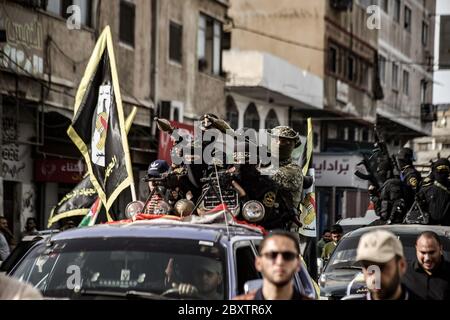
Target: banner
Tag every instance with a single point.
(98, 126)
(75, 203)
(308, 214)
(308, 205)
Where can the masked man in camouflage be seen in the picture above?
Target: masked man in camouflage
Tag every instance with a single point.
(287, 175)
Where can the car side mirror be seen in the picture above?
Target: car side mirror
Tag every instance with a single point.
(252, 285)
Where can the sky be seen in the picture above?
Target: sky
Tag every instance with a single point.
(441, 90)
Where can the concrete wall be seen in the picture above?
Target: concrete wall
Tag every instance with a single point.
(199, 92)
(406, 48)
(287, 29)
(67, 54)
(348, 29)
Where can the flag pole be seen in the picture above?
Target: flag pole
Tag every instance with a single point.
(128, 124)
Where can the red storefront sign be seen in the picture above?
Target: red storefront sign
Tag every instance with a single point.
(59, 170)
(166, 143)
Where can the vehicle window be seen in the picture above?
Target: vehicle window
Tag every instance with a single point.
(16, 255)
(72, 268)
(344, 256)
(245, 266)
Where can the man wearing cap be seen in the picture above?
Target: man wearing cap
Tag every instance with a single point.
(154, 178)
(429, 276)
(206, 280)
(383, 262)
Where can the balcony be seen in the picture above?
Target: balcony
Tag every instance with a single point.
(265, 77)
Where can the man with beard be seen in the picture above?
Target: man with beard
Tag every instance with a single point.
(326, 238)
(278, 261)
(429, 276)
(381, 255)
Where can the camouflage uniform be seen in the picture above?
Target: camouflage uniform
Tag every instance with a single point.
(288, 176)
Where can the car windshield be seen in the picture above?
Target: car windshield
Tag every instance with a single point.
(76, 268)
(344, 256)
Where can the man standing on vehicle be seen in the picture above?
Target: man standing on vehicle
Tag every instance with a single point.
(429, 276)
(381, 255)
(278, 261)
(336, 235)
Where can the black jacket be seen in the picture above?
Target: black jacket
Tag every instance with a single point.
(407, 294)
(429, 287)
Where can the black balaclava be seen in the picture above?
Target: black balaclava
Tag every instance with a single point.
(441, 171)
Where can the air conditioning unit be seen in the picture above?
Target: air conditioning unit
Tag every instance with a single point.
(429, 113)
(171, 110)
(341, 5)
(35, 4)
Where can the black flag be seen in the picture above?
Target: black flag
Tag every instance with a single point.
(76, 203)
(98, 126)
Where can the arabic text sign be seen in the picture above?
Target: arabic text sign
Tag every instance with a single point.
(337, 171)
(24, 47)
(59, 170)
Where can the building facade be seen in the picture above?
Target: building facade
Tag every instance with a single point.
(321, 59)
(168, 57)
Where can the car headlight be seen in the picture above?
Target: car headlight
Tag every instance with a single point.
(253, 211)
(134, 208)
(162, 208)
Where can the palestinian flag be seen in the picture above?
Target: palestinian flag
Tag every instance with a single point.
(91, 218)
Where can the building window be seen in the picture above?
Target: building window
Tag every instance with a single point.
(127, 18)
(351, 68)
(365, 135)
(331, 131)
(397, 10)
(394, 76)
(424, 33)
(384, 4)
(251, 117)
(424, 146)
(59, 7)
(232, 113)
(407, 19)
(342, 133)
(272, 120)
(423, 91)
(406, 82)
(175, 42)
(382, 68)
(333, 60)
(209, 45)
(54, 6)
(351, 134)
(445, 146)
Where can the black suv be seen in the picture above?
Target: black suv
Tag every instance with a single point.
(146, 259)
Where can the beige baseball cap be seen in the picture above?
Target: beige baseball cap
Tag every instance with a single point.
(379, 246)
